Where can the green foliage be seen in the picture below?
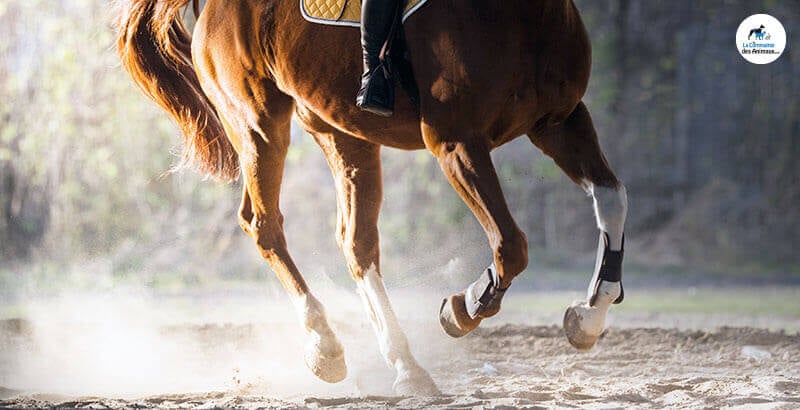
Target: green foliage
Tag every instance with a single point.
(77, 138)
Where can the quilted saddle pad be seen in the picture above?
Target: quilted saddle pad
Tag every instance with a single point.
(344, 12)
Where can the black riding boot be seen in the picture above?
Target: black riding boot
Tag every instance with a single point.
(377, 90)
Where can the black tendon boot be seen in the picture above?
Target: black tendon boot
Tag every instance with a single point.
(377, 90)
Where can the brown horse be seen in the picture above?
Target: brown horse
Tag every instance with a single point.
(488, 72)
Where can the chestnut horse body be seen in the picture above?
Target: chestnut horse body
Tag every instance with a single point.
(488, 72)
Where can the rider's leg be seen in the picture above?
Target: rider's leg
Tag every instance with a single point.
(377, 92)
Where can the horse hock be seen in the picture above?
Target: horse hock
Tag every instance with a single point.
(461, 313)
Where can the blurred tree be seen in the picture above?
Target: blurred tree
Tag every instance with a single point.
(82, 152)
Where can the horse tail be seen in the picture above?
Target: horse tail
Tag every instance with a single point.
(155, 48)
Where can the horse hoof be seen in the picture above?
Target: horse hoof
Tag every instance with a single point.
(327, 364)
(575, 326)
(454, 318)
(415, 383)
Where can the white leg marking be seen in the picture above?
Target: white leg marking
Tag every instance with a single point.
(324, 354)
(611, 209)
(594, 317)
(393, 342)
(309, 311)
(411, 378)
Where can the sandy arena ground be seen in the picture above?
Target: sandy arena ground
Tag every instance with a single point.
(652, 361)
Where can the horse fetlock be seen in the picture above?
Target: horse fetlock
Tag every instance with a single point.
(584, 321)
(394, 347)
(461, 313)
(607, 293)
(324, 354)
(607, 273)
(325, 344)
(312, 315)
(484, 296)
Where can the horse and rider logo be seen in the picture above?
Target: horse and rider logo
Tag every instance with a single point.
(760, 33)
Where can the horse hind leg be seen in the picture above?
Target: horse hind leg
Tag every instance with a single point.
(256, 117)
(261, 218)
(574, 147)
(262, 146)
(356, 169)
(466, 163)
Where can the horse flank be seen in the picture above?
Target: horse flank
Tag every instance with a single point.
(155, 49)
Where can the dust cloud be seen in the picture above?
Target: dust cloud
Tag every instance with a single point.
(136, 343)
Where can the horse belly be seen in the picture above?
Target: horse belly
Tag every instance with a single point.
(392, 132)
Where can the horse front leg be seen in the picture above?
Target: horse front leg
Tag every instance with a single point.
(574, 147)
(356, 168)
(468, 167)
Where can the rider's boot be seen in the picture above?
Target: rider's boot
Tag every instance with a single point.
(377, 90)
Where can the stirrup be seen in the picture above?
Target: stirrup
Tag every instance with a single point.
(376, 94)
